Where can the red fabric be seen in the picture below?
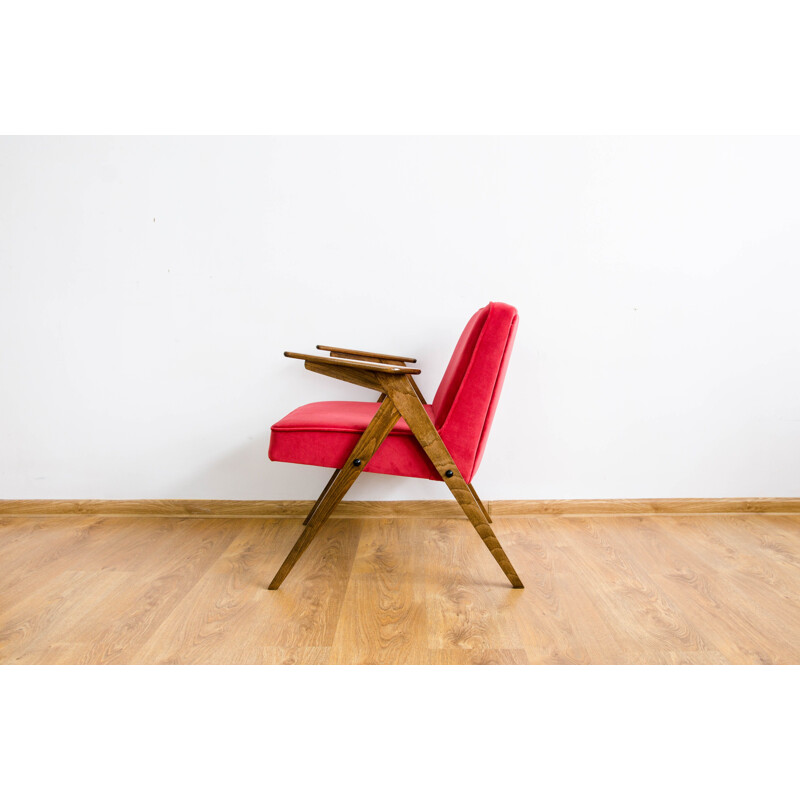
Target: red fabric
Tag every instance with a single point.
(473, 380)
(323, 434)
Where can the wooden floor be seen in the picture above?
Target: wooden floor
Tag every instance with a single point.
(702, 589)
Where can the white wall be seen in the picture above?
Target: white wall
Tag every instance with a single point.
(149, 286)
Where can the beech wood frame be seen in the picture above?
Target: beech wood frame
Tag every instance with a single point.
(399, 397)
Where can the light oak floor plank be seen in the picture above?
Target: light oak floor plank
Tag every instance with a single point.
(559, 618)
(159, 580)
(644, 616)
(388, 577)
(488, 657)
(603, 589)
(470, 603)
(732, 590)
(213, 622)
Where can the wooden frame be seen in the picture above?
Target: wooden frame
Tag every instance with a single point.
(399, 397)
(366, 355)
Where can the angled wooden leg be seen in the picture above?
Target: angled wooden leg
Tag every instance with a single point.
(478, 501)
(471, 508)
(320, 498)
(372, 438)
(402, 393)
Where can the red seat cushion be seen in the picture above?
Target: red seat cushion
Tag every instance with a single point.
(324, 434)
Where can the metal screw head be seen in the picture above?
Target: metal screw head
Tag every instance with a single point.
(449, 474)
(357, 462)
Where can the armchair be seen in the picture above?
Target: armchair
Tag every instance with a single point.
(401, 434)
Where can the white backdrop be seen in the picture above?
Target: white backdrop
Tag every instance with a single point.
(149, 286)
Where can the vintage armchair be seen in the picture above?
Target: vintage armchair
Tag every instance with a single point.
(401, 434)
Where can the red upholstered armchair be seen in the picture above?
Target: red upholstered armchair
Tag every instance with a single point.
(401, 434)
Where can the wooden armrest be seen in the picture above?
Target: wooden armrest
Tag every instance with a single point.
(362, 365)
(339, 351)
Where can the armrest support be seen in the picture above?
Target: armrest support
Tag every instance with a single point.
(365, 354)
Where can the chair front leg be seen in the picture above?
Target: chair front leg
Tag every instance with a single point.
(378, 429)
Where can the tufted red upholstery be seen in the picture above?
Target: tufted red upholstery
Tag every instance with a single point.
(323, 434)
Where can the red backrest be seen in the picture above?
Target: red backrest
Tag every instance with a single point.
(467, 397)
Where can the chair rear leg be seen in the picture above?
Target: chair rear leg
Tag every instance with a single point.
(406, 400)
(471, 507)
(372, 438)
(320, 498)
